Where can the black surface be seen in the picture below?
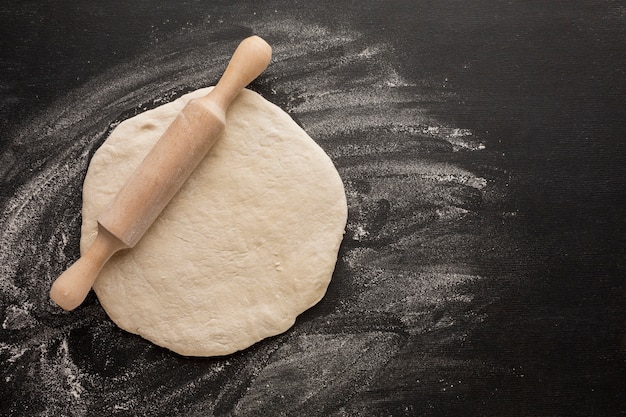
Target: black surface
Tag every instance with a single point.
(471, 281)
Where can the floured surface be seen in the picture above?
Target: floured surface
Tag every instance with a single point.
(248, 243)
(407, 239)
(422, 316)
(412, 234)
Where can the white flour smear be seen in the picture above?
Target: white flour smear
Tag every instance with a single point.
(406, 266)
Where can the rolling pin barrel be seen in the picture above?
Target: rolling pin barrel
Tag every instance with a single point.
(161, 174)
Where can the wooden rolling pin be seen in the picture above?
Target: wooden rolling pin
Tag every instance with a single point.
(159, 176)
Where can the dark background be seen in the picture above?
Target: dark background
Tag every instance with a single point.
(541, 84)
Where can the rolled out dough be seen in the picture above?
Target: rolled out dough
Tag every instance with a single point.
(248, 243)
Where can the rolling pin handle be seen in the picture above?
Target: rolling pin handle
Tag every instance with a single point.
(249, 60)
(72, 286)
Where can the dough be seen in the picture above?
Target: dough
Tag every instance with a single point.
(248, 243)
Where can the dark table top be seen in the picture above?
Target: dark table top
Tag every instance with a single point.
(481, 145)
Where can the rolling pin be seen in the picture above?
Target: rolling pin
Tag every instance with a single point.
(159, 176)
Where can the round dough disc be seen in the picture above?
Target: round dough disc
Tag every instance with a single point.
(249, 242)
